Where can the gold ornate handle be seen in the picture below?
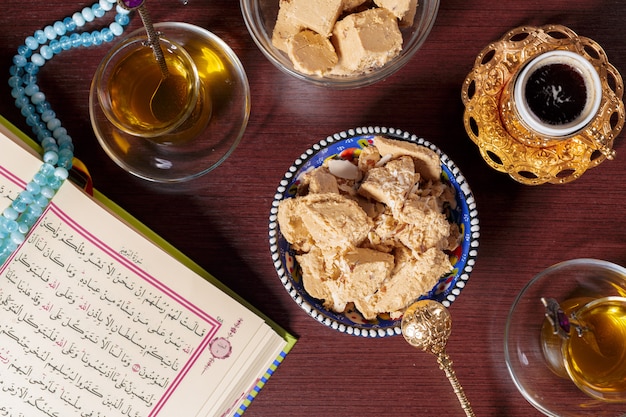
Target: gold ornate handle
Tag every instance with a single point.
(445, 364)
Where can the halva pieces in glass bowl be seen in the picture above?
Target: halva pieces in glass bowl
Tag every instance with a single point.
(339, 43)
(367, 221)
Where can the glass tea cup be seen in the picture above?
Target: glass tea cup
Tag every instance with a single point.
(584, 339)
(140, 99)
(565, 339)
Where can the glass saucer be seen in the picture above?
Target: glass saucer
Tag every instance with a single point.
(227, 88)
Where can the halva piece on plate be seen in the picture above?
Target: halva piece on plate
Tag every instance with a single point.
(378, 240)
(426, 161)
(362, 34)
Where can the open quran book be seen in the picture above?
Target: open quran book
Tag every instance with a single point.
(101, 318)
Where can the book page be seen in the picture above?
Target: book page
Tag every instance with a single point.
(96, 320)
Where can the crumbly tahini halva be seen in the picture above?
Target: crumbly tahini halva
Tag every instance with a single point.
(372, 231)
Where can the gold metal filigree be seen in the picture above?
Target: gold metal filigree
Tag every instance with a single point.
(504, 141)
(427, 325)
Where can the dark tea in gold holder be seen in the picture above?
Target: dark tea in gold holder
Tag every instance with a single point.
(543, 104)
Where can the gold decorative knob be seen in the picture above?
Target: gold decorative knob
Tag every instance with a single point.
(426, 325)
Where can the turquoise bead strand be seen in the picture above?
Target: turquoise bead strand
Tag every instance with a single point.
(58, 149)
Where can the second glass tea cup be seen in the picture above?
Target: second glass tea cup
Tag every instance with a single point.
(546, 352)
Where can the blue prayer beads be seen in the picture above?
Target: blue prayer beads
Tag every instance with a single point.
(58, 149)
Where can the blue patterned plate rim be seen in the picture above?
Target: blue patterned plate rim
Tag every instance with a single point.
(351, 322)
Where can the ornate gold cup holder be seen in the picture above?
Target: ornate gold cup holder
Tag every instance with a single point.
(504, 141)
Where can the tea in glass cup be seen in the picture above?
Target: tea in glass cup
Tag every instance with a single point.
(162, 133)
(565, 339)
(584, 338)
(138, 97)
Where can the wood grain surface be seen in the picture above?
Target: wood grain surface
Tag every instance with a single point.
(221, 220)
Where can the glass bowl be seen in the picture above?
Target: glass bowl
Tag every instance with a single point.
(260, 18)
(535, 374)
(446, 290)
(224, 85)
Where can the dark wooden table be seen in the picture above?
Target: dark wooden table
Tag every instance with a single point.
(220, 220)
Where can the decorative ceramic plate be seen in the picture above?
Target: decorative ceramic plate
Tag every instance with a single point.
(343, 145)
